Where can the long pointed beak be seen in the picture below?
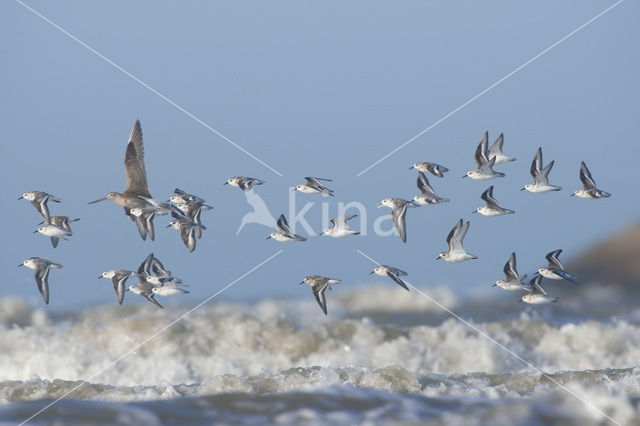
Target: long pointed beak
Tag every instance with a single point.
(572, 195)
(464, 176)
(522, 189)
(475, 211)
(22, 264)
(36, 231)
(370, 272)
(410, 167)
(20, 198)
(226, 183)
(301, 283)
(438, 258)
(97, 201)
(494, 285)
(168, 225)
(379, 204)
(293, 189)
(519, 300)
(100, 277)
(268, 237)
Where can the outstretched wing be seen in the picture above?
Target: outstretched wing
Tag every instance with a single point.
(118, 286)
(536, 286)
(585, 177)
(487, 197)
(552, 258)
(536, 164)
(398, 215)
(134, 164)
(318, 292)
(397, 279)
(283, 225)
(496, 147)
(481, 154)
(452, 233)
(423, 185)
(510, 271)
(42, 280)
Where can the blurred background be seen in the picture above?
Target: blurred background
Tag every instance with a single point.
(318, 90)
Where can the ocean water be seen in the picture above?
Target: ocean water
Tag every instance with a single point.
(382, 356)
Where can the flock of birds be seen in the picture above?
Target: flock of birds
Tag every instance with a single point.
(185, 210)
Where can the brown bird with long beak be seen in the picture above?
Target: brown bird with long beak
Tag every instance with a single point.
(136, 186)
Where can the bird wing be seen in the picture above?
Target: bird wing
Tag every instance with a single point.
(316, 181)
(536, 287)
(42, 208)
(318, 292)
(118, 286)
(496, 147)
(452, 233)
(566, 275)
(158, 268)
(398, 215)
(54, 241)
(458, 238)
(141, 227)
(481, 154)
(150, 297)
(145, 266)
(510, 271)
(552, 258)
(585, 177)
(423, 185)
(148, 221)
(536, 164)
(134, 164)
(188, 237)
(283, 225)
(42, 280)
(487, 197)
(397, 279)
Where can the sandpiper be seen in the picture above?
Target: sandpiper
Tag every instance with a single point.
(391, 272)
(537, 295)
(314, 186)
(134, 168)
(119, 278)
(485, 164)
(398, 213)
(285, 234)
(61, 221)
(243, 182)
(187, 229)
(455, 241)
(144, 288)
(428, 195)
(555, 270)
(54, 232)
(540, 176)
(492, 208)
(144, 220)
(433, 168)
(340, 227)
(42, 267)
(318, 285)
(589, 189)
(496, 151)
(512, 281)
(39, 200)
(168, 288)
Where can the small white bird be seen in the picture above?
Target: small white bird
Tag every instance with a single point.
(398, 212)
(180, 196)
(540, 176)
(496, 151)
(119, 277)
(314, 186)
(39, 200)
(391, 272)
(318, 285)
(512, 281)
(144, 220)
(492, 208)
(555, 270)
(167, 288)
(589, 189)
(61, 221)
(243, 182)
(433, 168)
(537, 295)
(53, 231)
(428, 196)
(455, 241)
(285, 234)
(340, 227)
(187, 228)
(484, 164)
(42, 267)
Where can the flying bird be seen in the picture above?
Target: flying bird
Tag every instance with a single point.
(512, 280)
(39, 200)
(243, 182)
(285, 234)
(492, 208)
(42, 267)
(319, 285)
(537, 295)
(340, 227)
(540, 176)
(455, 241)
(427, 195)
(398, 212)
(555, 270)
(589, 189)
(433, 168)
(391, 272)
(314, 186)
(484, 169)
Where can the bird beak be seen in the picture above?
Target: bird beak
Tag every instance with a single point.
(100, 277)
(268, 237)
(464, 176)
(35, 231)
(301, 283)
(20, 198)
(572, 195)
(97, 201)
(410, 167)
(22, 264)
(168, 225)
(475, 211)
(379, 204)
(494, 285)
(370, 272)
(438, 258)
(522, 189)
(519, 300)
(226, 183)
(293, 189)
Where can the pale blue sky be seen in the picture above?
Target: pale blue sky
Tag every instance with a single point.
(313, 89)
